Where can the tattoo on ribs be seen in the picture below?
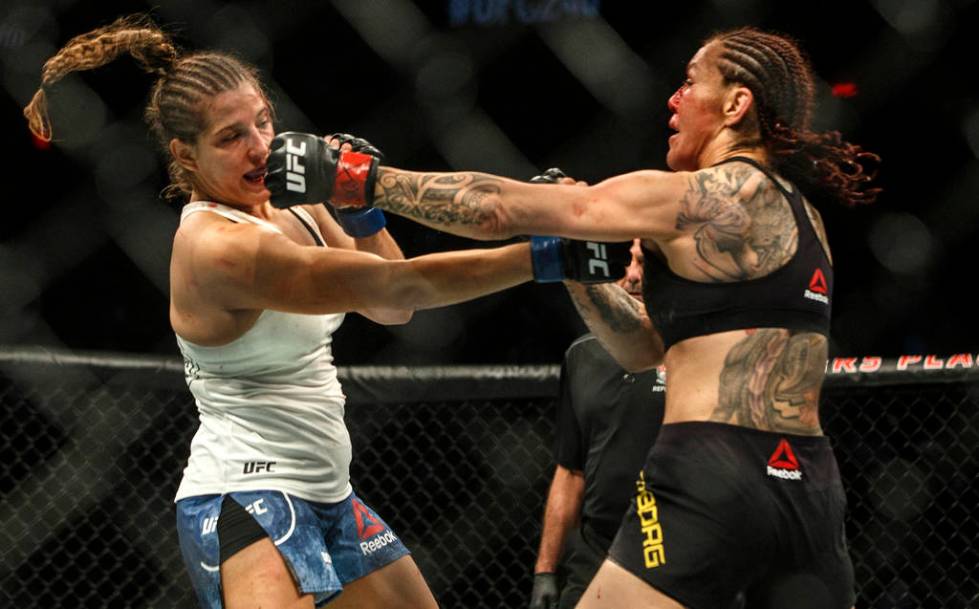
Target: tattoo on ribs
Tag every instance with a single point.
(446, 199)
(771, 381)
(742, 225)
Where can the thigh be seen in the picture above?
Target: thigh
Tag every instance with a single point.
(257, 576)
(614, 588)
(397, 585)
(580, 563)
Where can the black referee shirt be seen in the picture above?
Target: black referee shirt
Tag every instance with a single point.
(607, 421)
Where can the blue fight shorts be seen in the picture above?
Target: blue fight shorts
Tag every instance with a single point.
(325, 545)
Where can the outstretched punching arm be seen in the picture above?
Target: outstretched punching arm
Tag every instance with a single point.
(476, 205)
(483, 206)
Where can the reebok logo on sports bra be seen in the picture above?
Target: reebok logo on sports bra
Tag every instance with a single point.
(818, 288)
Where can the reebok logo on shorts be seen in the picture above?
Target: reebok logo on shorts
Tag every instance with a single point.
(367, 525)
(783, 464)
(373, 545)
(370, 530)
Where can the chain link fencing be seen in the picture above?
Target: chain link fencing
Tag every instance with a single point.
(457, 459)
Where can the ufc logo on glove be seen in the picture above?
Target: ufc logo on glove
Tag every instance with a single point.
(295, 172)
(304, 169)
(558, 259)
(599, 262)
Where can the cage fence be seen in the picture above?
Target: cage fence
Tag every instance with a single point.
(457, 459)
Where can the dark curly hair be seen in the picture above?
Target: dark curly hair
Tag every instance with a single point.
(779, 76)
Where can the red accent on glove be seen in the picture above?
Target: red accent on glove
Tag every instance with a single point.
(353, 169)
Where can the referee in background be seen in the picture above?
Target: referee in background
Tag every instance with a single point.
(607, 420)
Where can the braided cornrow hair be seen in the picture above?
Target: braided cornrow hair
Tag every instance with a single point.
(184, 82)
(779, 76)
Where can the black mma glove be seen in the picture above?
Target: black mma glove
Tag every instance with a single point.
(557, 259)
(357, 144)
(545, 593)
(302, 168)
(551, 176)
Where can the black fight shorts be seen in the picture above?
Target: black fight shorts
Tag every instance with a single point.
(725, 517)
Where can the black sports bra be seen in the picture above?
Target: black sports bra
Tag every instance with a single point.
(797, 296)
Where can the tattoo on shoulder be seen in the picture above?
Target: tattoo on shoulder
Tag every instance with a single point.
(771, 381)
(741, 224)
(440, 198)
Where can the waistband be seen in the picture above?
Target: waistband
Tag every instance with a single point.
(678, 432)
(704, 449)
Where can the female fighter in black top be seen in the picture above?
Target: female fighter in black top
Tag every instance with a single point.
(741, 496)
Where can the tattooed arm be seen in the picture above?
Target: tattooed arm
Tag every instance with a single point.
(483, 206)
(620, 323)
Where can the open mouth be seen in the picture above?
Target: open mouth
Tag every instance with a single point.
(256, 176)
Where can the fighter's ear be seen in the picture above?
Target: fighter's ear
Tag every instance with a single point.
(738, 102)
(183, 153)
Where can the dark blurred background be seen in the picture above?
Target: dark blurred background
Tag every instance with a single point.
(503, 86)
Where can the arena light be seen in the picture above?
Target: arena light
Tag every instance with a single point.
(845, 90)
